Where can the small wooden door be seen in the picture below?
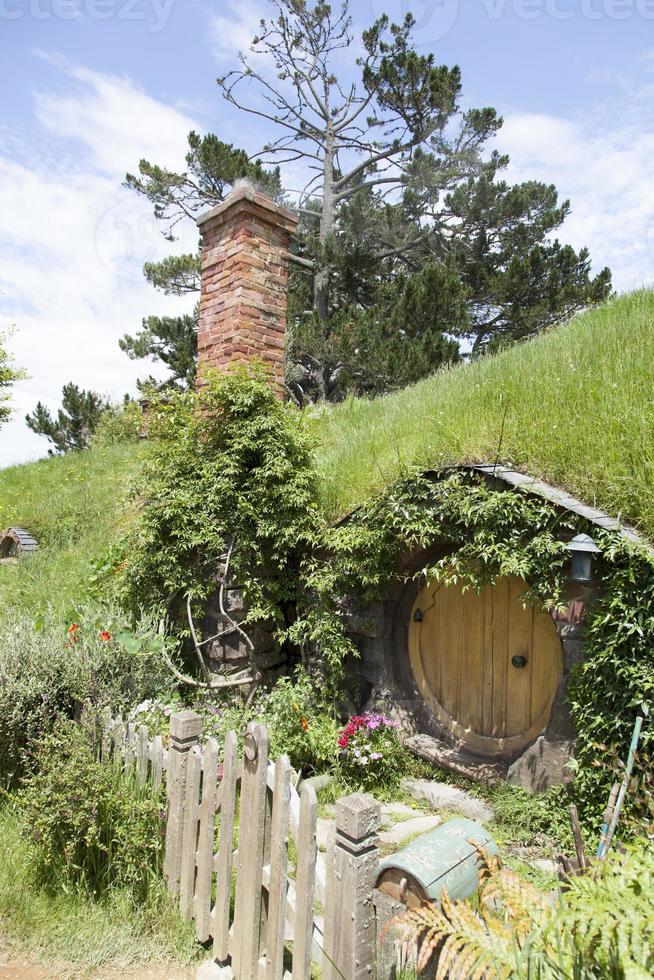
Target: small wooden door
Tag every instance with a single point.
(487, 664)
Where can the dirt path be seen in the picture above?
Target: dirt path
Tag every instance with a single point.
(18, 968)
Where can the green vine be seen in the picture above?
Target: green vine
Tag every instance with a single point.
(229, 481)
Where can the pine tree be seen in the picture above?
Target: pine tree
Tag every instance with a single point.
(401, 182)
(75, 422)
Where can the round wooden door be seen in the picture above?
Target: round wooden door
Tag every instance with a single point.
(487, 665)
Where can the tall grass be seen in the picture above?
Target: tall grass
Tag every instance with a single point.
(72, 932)
(73, 505)
(574, 406)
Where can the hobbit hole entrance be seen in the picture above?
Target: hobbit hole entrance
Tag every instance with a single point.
(15, 542)
(487, 664)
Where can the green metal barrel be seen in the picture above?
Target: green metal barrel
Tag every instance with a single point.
(444, 858)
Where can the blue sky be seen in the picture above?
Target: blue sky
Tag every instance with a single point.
(87, 87)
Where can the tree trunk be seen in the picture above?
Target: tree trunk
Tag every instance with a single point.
(327, 221)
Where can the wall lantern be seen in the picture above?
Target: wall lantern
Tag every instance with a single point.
(582, 548)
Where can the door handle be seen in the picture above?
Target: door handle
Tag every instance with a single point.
(519, 660)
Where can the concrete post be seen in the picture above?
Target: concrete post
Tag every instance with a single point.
(185, 729)
(350, 940)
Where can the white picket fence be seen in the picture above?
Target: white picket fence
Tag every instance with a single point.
(241, 854)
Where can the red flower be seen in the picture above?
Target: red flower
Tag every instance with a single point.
(343, 740)
(105, 635)
(304, 723)
(73, 628)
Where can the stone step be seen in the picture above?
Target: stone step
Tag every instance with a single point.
(439, 753)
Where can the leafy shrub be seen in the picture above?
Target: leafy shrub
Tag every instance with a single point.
(118, 424)
(47, 667)
(92, 827)
(230, 473)
(300, 724)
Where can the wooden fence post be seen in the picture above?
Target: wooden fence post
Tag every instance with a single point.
(350, 937)
(185, 728)
(386, 909)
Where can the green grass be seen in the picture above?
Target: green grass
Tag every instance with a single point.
(574, 407)
(73, 505)
(75, 934)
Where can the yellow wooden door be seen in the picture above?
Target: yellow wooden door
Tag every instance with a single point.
(487, 664)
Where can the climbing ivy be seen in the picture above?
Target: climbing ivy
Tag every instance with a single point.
(228, 494)
(615, 681)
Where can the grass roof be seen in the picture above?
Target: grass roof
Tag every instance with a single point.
(574, 407)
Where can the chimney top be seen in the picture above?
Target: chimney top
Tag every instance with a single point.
(244, 191)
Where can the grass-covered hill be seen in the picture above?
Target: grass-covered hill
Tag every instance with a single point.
(574, 407)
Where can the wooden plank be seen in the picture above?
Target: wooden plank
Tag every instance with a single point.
(106, 741)
(118, 735)
(435, 639)
(487, 665)
(576, 834)
(329, 935)
(224, 858)
(204, 874)
(278, 865)
(321, 866)
(547, 668)
(518, 708)
(130, 747)
(252, 830)
(499, 605)
(451, 646)
(427, 631)
(267, 833)
(305, 885)
(190, 832)
(318, 926)
(142, 756)
(106, 724)
(156, 762)
(471, 662)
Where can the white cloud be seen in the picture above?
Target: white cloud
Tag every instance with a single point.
(73, 241)
(603, 164)
(232, 31)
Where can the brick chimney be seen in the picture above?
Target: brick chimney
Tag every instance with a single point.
(244, 273)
